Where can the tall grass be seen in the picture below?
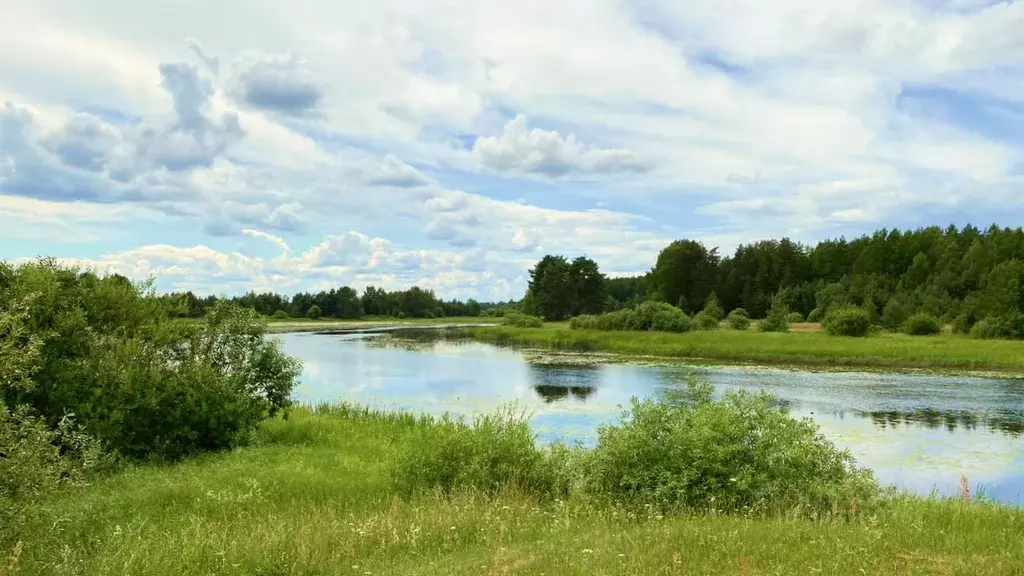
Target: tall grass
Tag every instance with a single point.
(317, 495)
(810, 349)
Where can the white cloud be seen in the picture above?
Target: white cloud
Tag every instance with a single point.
(546, 153)
(728, 122)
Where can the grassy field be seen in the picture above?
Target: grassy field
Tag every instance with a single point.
(315, 498)
(807, 347)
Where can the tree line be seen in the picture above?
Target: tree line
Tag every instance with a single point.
(342, 302)
(959, 275)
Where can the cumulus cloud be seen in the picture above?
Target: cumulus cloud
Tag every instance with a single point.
(546, 153)
(394, 172)
(280, 83)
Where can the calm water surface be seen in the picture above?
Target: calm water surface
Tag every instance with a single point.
(920, 432)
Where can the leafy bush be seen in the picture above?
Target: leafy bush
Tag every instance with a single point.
(490, 453)
(777, 319)
(847, 321)
(138, 382)
(739, 319)
(519, 320)
(1009, 326)
(922, 324)
(705, 320)
(281, 315)
(816, 315)
(713, 308)
(740, 453)
(314, 312)
(962, 324)
(795, 318)
(895, 314)
(657, 316)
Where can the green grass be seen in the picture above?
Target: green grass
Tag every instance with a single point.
(809, 349)
(315, 498)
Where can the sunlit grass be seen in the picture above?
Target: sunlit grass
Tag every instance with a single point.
(315, 498)
(799, 348)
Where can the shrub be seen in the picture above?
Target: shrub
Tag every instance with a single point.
(490, 453)
(777, 319)
(519, 320)
(816, 315)
(1006, 326)
(705, 321)
(962, 324)
(657, 316)
(847, 321)
(795, 318)
(740, 453)
(922, 324)
(739, 319)
(713, 308)
(281, 315)
(895, 314)
(314, 312)
(140, 383)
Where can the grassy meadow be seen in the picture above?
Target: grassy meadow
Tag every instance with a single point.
(805, 345)
(315, 495)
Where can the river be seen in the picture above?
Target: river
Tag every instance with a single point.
(920, 432)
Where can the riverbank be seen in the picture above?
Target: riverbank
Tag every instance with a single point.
(315, 498)
(809, 349)
(293, 325)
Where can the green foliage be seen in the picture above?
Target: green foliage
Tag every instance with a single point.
(656, 316)
(816, 315)
(962, 324)
(1009, 326)
(314, 312)
(739, 319)
(795, 318)
(559, 289)
(140, 383)
(895, 313)
(922, 324)
(684, 274)
(705, 320)
(713, 307)
(492, 452)
(847, 321)
(518, 320)
(739, 453)
(281, 315)
(777, 319)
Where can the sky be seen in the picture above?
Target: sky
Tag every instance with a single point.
(225, 146)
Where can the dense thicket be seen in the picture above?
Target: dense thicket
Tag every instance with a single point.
(559, 289)
(892, 274)
(343, 302)
(92, 364)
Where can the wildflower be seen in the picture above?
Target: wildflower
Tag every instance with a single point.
(588, 551)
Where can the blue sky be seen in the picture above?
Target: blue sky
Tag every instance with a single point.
(311, 144)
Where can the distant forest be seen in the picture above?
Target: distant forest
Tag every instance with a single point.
(952, 273)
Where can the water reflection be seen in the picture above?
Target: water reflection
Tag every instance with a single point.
(920, 432)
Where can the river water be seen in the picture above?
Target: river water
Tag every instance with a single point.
(919, 432)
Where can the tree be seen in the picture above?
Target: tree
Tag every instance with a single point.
(589, 286)
(553, 291)
(347, 303)
(684, 274)
(314, 312)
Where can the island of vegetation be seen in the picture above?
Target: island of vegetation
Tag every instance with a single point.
(132, 442)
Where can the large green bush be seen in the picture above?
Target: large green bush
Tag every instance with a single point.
(314, 312)
(519, 320)
(922, 324)
(705, 320)
(847, 321)
(1009, 326)
(657, 316)
(740, 453)
(142, 384)
(281, 315)
(795, 318)
(739, 319)
(777, 319)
